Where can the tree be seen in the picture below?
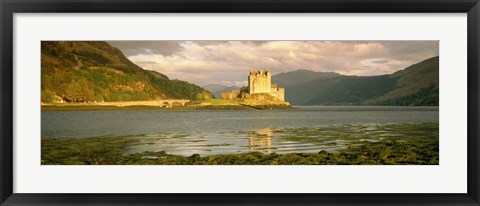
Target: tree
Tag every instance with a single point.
(48, 96)
(203, 95)
(79, 91)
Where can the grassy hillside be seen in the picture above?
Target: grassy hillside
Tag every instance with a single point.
(343, 90)
(427, 96)
(415, 85)
(413, 79)
(76, 71)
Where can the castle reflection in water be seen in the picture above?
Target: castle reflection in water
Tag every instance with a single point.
(261, 140)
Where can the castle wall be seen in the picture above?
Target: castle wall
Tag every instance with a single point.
(279, 93)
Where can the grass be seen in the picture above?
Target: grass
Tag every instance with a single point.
(208, 104)
(418, 144)
(96, 108)
(116, 108)
(221, 101)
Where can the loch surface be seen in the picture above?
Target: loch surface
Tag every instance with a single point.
(225, 131)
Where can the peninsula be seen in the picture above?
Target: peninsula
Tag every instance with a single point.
(91, 75)
(259, 94)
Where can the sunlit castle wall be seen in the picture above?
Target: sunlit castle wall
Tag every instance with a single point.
(279, 93)
(259, 81)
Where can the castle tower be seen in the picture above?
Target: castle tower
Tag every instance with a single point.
(259, 81)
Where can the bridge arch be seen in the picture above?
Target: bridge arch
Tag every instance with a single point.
(168, 103)
(165, 104)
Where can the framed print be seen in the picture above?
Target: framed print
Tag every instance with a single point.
(252, 103)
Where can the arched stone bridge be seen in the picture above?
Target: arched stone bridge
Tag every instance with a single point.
(169, 103)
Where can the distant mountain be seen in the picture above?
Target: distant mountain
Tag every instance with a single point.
(214, 87)
(85, 71)
(289, 79)
(217, 89)
(415, 85)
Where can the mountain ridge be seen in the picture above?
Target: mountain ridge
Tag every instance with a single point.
(399, 88)
(217, 89)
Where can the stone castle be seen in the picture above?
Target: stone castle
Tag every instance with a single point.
(259, 82)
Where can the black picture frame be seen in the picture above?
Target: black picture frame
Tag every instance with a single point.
(10, 7)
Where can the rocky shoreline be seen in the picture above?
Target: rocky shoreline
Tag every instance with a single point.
(418, 145)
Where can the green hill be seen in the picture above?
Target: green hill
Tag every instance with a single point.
(413, 79)
(76, 71)
(415, 85)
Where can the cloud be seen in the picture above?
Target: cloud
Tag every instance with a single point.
(130, 48)
(228, 62)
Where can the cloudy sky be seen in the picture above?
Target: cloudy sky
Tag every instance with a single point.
(228, 62)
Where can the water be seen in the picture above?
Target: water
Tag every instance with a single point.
(222, 131)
